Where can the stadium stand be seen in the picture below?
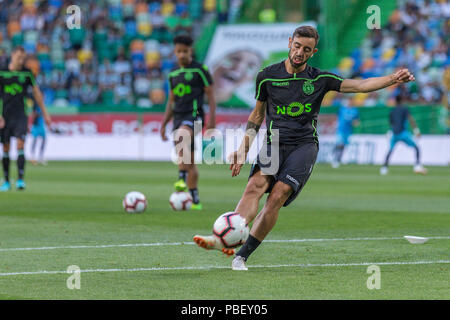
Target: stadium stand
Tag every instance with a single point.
(122, 53)
(416, 37)
(118, 57)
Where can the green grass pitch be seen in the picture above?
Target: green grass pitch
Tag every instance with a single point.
(71, 214)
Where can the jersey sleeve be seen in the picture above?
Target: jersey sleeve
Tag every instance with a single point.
(170, 81)
(261, 88)
(31, 80)
(333, 82)
(207, 78)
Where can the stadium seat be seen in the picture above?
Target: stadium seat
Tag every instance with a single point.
(172, 22)
(130, 27)
(209, 5)
(167, 8)
(144, 29)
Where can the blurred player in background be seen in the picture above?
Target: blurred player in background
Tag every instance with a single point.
(15, 79)
(38, 131)
(348, 117)
(189, 82)
(399, 118)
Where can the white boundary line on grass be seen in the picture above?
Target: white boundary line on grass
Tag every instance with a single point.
(228, 267)
(158, 244)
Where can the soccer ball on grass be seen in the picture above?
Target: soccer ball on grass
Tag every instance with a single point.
(231, 229)
(180, 200)
(134, 202)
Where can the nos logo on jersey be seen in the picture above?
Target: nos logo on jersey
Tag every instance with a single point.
(294, 109)
(181, 89)
(13, 89)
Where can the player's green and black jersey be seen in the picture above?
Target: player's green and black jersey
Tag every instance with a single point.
(293, 101)
(13, 90)
(187, 84)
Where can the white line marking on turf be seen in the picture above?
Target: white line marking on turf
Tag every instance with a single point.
(228, 267)
(158, 244)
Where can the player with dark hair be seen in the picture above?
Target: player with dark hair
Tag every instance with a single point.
(15, 79)
(189, 82)
(288, 96)
(399, 118)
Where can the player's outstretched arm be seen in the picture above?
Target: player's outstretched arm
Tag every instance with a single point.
(167, 115)
(209, 90)
(376, 83)
(256, 118)
(37, 94)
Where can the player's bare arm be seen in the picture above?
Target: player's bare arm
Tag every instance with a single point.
(37, 94)
(167, 115)
(209, 91)
(256, 118)
(376, 83)
(2, 122)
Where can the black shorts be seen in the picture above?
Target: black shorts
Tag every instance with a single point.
(187, 120)
(14, 128)
(293, 166)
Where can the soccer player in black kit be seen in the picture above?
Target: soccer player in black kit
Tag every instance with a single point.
(15, 80)
(288, 95)
(189, 82)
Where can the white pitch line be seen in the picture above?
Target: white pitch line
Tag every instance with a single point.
(158, 244)
(228, 267)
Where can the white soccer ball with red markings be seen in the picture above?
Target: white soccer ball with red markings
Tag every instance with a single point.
(231, 229)
(180, 201)
(134, 202)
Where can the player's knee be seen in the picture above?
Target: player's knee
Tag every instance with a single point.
(279, 194)
(256, 188)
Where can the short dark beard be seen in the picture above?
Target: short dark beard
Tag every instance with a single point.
(293, 64)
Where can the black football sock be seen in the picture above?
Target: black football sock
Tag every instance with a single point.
(195, 196)
(5, 162)
(249, 246)
(21, 163)
(182, 174)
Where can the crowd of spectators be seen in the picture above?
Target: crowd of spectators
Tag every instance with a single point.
(122, 52)
(416, 37)
(120, 55)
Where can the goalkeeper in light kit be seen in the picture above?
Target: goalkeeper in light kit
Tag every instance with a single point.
(288, 96)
